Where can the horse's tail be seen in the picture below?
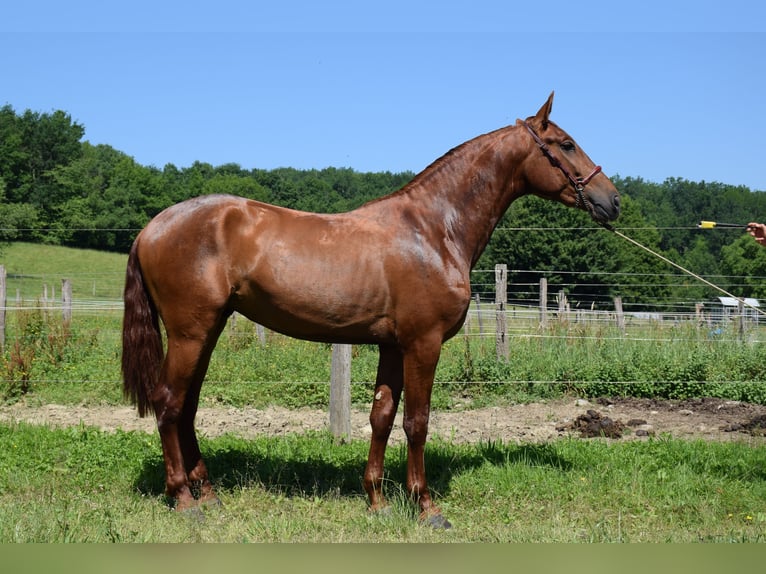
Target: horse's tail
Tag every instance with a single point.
(142, 352)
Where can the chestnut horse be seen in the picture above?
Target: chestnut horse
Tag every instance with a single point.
(395, 273)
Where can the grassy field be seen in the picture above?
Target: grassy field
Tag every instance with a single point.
(84, 485)
(94, 274)
(81, 362)
(81, 484)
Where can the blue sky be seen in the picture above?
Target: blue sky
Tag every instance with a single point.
(648, 90)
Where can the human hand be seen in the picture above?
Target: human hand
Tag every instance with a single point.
(758, 231)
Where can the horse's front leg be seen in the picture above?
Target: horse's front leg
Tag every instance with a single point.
(388, 391)
(419, 369)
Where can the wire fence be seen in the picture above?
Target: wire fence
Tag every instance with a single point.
(527, 311)
(101, 293)
(91, 318)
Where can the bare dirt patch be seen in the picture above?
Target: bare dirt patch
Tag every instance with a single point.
(621, 419)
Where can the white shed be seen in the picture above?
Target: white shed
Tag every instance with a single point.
(728, 308)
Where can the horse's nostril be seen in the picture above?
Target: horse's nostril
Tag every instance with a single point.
(616, 201)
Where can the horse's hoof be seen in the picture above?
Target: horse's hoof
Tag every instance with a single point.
(437, 522)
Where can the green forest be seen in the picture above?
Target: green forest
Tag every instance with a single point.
(57, 188)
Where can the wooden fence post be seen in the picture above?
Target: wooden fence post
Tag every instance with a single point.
(467, 324)
(741, 320)
(3, 305)
(620, 314)
(260, 333)
(699, 314)
(340, 392)
(66, 300)
(501, 300)
(543, 302)
(478, 314)
(563, 306)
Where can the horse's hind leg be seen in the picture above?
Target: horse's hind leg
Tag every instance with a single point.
(195, 466)
(175, 404)
(388, 391)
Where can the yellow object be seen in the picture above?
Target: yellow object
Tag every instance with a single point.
(712, 224)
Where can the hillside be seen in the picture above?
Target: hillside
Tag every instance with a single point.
(94, 274)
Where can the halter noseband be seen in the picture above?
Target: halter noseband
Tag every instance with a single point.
(579, 183)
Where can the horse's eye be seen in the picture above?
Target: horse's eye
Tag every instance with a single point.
(567, 146)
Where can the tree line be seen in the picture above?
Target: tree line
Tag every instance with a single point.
(57, 188)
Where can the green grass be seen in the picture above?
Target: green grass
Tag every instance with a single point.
(85, 485)
(81, 364)
(31, 266)
(81, 484)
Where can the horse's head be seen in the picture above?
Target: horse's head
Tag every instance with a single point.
(556, 168)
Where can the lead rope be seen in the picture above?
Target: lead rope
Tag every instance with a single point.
(684, 269)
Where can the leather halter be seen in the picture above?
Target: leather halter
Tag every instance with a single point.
(579, 183)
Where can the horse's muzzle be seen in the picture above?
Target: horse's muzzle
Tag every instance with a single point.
(604, 207)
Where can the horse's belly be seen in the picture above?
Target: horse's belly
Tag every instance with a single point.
(318, 314)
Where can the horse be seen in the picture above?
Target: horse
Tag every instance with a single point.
(392, 273)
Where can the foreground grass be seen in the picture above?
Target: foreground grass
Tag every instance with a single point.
(85, 485)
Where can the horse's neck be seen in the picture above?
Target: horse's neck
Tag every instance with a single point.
(464, 194)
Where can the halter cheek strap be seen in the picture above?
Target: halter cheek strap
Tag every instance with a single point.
(579, 183)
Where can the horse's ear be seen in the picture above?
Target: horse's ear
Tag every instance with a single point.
(544, 112)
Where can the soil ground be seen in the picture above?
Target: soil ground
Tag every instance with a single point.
(621, 419)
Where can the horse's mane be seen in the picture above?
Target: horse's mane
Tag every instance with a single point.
(439, 165)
